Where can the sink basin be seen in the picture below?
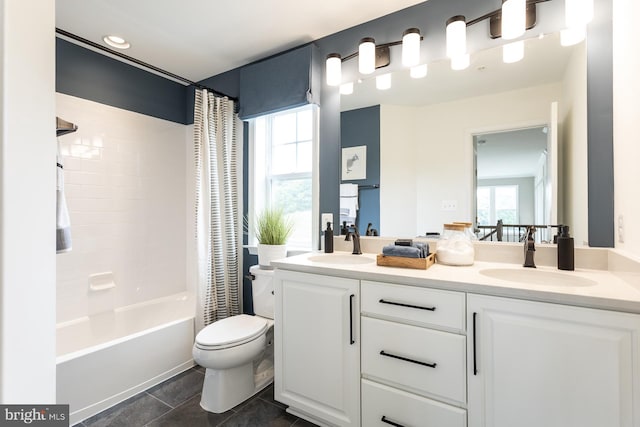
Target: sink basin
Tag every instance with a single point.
(341, 259)
(531, 276)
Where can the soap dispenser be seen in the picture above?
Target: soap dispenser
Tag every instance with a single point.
(565, 249)
(328, 239)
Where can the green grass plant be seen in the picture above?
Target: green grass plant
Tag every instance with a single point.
(273, 227)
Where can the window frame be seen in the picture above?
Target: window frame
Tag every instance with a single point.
(257, 204)
(492, 202)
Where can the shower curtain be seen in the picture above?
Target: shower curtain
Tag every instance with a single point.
(217, 230)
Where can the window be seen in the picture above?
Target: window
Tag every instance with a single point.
(282, 172)
(498, 202)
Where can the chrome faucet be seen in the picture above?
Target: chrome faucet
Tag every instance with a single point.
(356, 239)
(529, 247)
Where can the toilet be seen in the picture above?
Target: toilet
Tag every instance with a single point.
(237, 352)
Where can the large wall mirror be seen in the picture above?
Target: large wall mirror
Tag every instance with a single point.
(432, 129)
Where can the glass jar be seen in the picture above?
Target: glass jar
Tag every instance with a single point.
(455, 247)
(468, 229)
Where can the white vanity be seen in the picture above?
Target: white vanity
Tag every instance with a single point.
(483, 346)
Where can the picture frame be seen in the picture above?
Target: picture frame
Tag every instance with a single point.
(354, 163)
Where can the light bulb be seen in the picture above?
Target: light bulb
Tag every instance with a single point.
(456, 36)
(514, 18)
(383, 81)
(346, 88)
(334, 69)
(418, 71)
(578, 13)
(411, 47)
(513, 52)
(571, 36)
(117, 42)
(460, 62)
(367, 56)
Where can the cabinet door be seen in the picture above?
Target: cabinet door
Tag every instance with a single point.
(317, 346)
(537, 364)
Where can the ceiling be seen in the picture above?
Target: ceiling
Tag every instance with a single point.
(510, 154)
(197, 39)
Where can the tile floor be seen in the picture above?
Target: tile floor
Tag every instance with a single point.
(176, 403)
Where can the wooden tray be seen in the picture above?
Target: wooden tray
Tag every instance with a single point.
(403, 262)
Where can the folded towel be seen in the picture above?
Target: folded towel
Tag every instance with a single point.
(424, 247)
(63, 224)
(402, 251)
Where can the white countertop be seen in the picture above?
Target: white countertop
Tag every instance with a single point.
(610, 291)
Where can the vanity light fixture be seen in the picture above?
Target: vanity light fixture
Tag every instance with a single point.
(513, 52)
(510, 22)
(367, 55)
(419, 71)
(411, 47)
(383, 81)
(346, 88)
(117, 42)
(513, 18)
(372, 57)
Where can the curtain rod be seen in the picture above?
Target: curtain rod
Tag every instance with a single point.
(141, 63)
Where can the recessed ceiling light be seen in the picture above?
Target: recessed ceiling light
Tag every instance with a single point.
(117, 42)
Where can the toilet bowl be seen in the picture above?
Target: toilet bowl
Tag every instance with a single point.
(237, 352)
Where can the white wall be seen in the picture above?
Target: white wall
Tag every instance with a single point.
(426, 154)
(398, 163)
(125, 182)
(626, 111)
(573, 147)
(27, 202)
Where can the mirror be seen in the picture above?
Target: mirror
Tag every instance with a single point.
(427, 128)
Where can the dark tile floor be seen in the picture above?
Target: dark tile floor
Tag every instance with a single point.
(176, 403)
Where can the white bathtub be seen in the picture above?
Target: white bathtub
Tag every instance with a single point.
(107, 358)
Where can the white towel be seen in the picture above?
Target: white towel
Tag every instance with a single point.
(63, 224)
(348, 203)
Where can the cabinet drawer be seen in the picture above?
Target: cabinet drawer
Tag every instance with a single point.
(420, 360)
(405, 409)
(422, 306)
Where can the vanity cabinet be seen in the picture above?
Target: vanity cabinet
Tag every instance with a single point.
(533, 364)
(413, 356)
(317, 346)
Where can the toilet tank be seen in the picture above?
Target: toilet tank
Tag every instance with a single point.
(262, 288)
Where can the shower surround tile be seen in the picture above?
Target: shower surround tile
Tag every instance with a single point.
(125, 179)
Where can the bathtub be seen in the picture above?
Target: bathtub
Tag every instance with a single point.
(107, 358)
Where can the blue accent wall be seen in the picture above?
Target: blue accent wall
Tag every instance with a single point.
(90, 75)
(362, 127)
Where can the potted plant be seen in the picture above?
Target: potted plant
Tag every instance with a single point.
(272, 228)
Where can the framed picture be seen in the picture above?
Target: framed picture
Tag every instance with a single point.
(354, 163)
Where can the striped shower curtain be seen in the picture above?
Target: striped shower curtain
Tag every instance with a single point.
(217, 230)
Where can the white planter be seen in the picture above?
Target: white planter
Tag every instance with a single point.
(268, 253)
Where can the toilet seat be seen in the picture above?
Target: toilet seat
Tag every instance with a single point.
(231, 332)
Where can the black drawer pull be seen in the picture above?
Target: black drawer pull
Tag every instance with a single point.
(401, 304)
(406, 359)
(475, 357)
(351, 340)
(385, 420)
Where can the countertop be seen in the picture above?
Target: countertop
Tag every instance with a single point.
(609, 292)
